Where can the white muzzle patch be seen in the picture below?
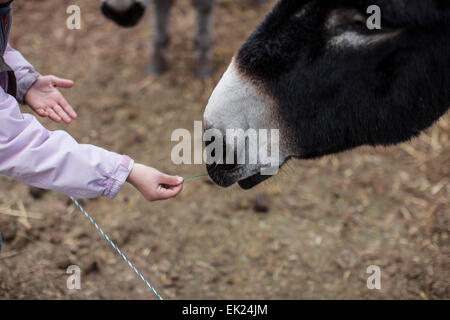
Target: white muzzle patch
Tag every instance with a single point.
(236, 103)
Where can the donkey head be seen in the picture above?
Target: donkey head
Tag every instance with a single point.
(126, 13)
(316, 71)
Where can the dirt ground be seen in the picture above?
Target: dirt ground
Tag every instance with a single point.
(327, 220)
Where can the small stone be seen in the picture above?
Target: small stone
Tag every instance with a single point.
(262, 203)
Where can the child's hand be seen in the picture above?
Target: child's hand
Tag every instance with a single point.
(153, 184)
(46, 100)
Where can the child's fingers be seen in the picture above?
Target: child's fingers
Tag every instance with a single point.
(171, 192)
(60, 112)
(170, 180)
(42, 112)
(67, 107)
(53, 116)
(62, 83)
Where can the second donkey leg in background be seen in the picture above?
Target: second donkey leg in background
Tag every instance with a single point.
(204, 38)
(161, 38)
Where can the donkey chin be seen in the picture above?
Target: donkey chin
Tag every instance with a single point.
(124, 16)
(238, 104)
(247, 176)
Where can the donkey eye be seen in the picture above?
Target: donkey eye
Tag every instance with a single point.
(358, 19)
(347, 27)
(344, 17)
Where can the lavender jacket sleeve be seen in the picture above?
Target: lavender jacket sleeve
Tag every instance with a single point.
(53, 159)
(25, 74)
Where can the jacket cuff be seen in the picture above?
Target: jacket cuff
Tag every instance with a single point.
(119, 177)
(25, 83)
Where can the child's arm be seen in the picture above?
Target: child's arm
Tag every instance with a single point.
(25, 73)
(54, 160)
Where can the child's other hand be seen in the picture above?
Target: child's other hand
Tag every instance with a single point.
(46, 100)
(153, 184)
